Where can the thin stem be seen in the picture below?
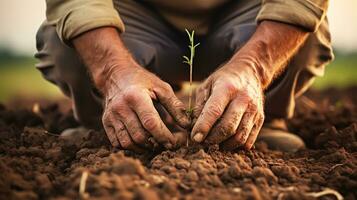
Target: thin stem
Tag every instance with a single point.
(190, 92)
(189, 61)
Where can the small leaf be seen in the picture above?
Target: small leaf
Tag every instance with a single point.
(196, 45)
(188, 33)
(186, 58)
(186, 62)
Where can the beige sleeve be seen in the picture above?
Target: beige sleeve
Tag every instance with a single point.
(304, 13)
(73, 17)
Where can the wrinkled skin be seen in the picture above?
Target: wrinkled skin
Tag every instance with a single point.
(130, 111)
(130, 118)
(229, 105)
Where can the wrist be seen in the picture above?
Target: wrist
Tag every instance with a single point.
(270, 48)
(110, 69)
(250, 66)
(104, 54)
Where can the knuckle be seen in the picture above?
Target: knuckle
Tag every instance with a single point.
(243, 130)
(131, 94)
(197, 110)
(241, 134)
(230, 87)
(214, 110)
(105, 119)
(203, 127)
(149, 121)
(116, 107)
(230, 127)
(253, 108)
(139, 137)
(126, 144)
(239, 138)
(262, 118)
(177, 103)
(166, 87)
(243, 98)
(226, 129)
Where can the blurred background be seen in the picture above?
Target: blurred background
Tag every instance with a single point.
(19, 20)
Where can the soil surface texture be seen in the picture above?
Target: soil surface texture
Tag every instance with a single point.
(35, 163)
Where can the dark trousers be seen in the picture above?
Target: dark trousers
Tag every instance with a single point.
(159, 47)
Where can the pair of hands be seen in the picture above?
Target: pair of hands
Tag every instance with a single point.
(228, 109)
(229, 103)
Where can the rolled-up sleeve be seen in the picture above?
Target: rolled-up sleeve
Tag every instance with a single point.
(73, 17)
(307, 14)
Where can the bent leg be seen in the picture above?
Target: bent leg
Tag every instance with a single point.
(62, 66)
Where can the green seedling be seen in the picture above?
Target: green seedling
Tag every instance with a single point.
(189, 61)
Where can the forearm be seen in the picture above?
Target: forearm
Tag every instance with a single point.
(270, 48)
(102, 52)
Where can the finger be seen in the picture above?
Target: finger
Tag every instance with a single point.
(228, 124)
(242, 133)
(173, 105)
(165, 116)
(182, 138)
(254, 133)
(201, 98)
(150, 119)
(109, 130)
(212, 111)
(133, 125)
(125, 140)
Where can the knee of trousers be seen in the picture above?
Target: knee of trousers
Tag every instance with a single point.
(316, 53)
(62, 66)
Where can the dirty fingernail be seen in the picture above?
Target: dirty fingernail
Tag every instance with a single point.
(198, 137)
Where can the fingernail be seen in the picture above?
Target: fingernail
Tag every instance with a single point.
(198, 137)
(168, 146)
(185, 122)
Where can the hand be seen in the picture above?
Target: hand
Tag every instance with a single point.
(229, 107)
(130, 115)
(130, 118)
(229, 104)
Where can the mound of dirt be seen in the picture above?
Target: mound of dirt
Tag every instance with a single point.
(36, 164)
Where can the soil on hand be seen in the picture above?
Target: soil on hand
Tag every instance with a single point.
(35, 163)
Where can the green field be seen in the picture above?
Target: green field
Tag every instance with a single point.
(19, 78)
(342, 72)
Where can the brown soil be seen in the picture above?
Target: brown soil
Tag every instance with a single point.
(37, 164)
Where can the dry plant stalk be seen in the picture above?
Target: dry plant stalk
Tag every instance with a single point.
(82, 186)
(326, 191)
(189, 61)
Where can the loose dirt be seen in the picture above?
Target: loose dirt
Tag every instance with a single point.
(36, 164)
